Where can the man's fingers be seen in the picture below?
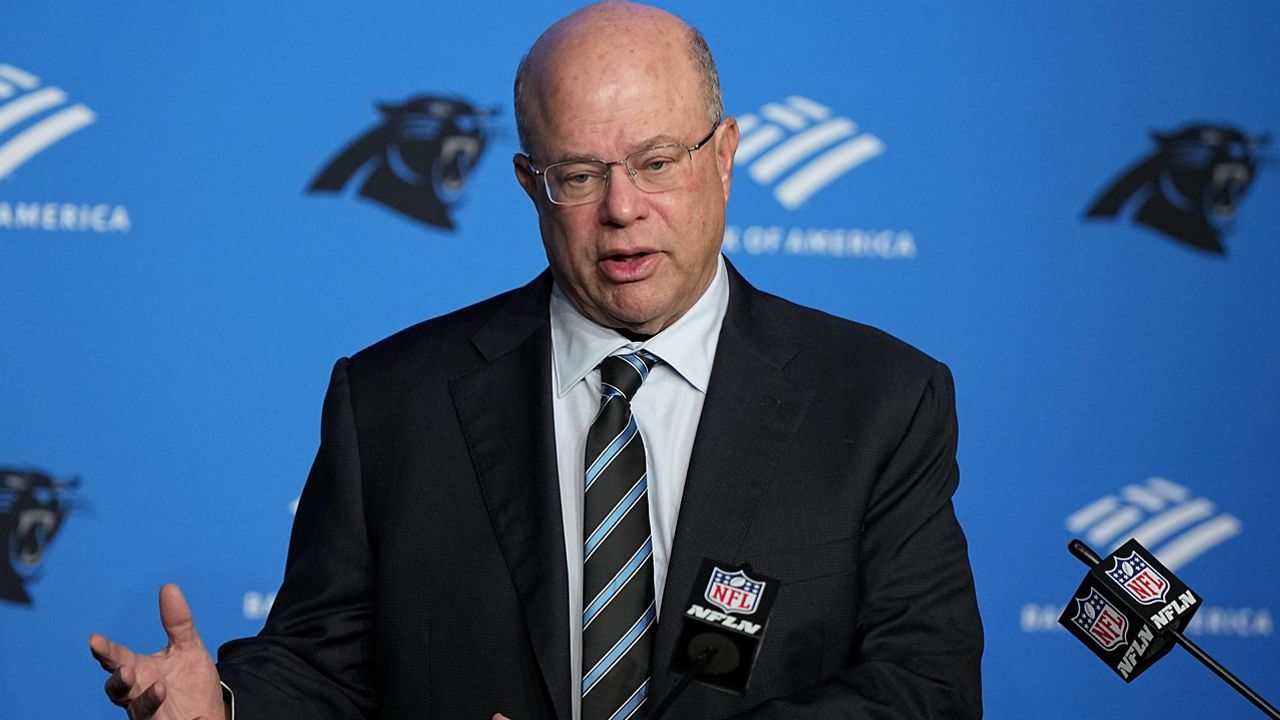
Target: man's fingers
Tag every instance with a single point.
(175, 616)
(148, 703)
(119, 686)
(108, 654)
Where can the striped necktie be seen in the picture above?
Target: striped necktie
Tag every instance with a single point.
(618, 614)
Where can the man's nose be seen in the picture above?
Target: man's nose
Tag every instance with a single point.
(623, 202)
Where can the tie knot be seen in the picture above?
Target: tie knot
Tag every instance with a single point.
(625, 373)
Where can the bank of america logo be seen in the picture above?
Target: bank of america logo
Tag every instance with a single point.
(1164, 516)
(33, 117)
(799, 147)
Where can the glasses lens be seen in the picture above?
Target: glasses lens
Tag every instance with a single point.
(576, 182)
(660, 168)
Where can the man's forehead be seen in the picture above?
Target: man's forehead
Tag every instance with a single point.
(560, 149)
(625, 112)
(613, 132)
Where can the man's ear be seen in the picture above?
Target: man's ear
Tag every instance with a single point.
(525, 176)
(726, 146)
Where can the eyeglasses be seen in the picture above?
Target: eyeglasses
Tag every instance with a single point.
(654, 170)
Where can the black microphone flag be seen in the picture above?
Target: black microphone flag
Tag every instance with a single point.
(724, 624)
(1126, 607)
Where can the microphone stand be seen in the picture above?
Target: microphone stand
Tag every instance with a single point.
(1091, 559)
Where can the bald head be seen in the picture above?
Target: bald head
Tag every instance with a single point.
(613, 33)
(611, 84)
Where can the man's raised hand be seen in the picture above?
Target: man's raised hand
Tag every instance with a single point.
(179, 682)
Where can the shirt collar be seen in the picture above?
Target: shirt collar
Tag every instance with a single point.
(688, 346)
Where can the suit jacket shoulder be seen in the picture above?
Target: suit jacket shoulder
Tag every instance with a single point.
(832, 341)
(457, 341)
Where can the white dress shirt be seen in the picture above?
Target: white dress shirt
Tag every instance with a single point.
(667, 408)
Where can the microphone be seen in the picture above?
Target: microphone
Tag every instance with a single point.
(1126, 607)
(722, 629)
(1130, 610)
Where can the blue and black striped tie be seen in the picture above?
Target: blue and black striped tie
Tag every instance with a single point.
(618, 615)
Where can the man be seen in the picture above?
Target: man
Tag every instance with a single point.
(444, 556)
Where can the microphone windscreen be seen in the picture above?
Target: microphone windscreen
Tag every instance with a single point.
(725, 657)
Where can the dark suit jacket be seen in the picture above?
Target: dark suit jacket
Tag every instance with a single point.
(426, 574)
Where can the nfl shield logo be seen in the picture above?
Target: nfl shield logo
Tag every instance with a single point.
(733, 592)
(1101, 621)
(1139, 579)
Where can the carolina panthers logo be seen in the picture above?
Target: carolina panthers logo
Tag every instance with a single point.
(1189, 188)
(32, 508)
(417, 161)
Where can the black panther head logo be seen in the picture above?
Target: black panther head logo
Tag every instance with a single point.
(417, 161)
(1189, 188)
(32, 508)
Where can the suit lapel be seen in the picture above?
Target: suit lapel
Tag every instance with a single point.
(504, 408)
(751, 413)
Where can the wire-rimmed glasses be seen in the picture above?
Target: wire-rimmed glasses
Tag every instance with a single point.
(654, 170)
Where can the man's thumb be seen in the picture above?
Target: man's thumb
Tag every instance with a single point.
(175, 616)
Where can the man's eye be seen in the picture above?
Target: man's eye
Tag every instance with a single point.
(656, 165)
(577, 176)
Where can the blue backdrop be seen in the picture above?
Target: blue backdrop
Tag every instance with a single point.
(172, 297)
